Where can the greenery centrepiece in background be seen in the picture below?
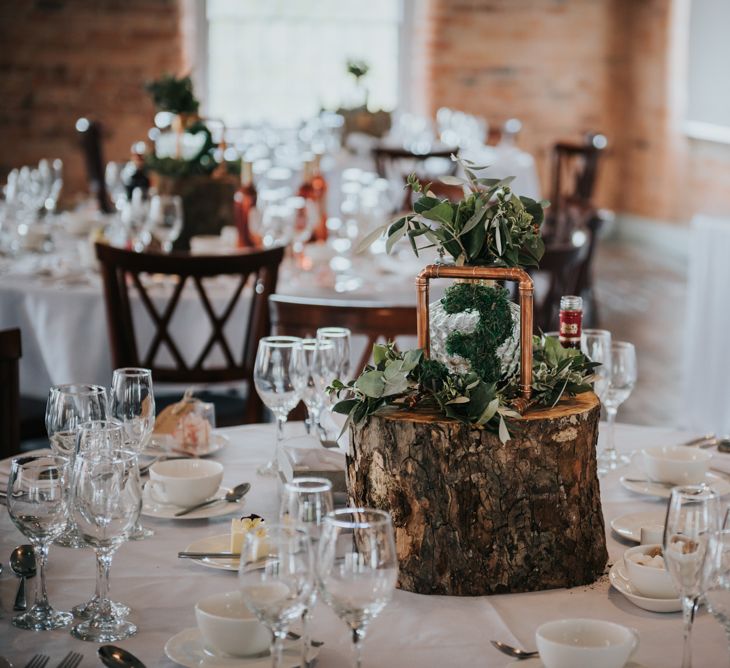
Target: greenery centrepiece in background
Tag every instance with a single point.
(491, 226)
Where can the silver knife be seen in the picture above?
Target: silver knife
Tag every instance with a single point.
(208, 555)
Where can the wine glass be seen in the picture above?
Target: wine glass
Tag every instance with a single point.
(716, 577)
(596, 345)
(693, 513)
(357, 567)
(276, 379)
(132, 402)
(38, 504)
(340, 337)
(318, 369)
(621, 382)
(306, 502)
(99, 436)
(106, 505)
(275, 578)
(165, 219)
(67, 407)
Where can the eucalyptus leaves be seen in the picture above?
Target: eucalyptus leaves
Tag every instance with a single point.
(490, 226)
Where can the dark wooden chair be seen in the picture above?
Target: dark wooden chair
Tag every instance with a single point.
(10, 352)
(560, 265)
(300, 316)
(122, 269)
(574, 174)
(90, 140)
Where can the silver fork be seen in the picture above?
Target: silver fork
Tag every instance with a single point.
(38, 661)
(71, 660)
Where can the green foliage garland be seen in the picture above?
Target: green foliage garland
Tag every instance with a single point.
(174, 95)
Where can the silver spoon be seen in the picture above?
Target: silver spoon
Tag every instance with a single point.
(22, 562)
(116, 657)
(232, 496)
(512, 651)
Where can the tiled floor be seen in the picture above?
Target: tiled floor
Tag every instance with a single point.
(642, 300)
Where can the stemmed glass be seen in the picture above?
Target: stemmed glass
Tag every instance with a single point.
(165, 219)
(275, 578)
(692, 514)
(357, 567)
(306, 502)
(340, 338)
(38, 505)
(716, 577)
(276, 379)
(132, 403)
(318, 369)
(596, 345)
(106, 504)
(99, 436)
(620, 385)
(69, 406)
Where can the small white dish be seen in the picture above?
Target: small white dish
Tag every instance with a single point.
(185, 482)
(620, 582)
(535, 662)
(629, 526)
(219, 543)
(161, 444)
(648, 581)
(152, 506)
(186, 648)
(718, 484)
(677, 464)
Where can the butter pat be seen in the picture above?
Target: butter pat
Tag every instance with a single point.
(241, 527)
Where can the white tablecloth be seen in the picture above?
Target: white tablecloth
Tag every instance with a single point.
(414, 631)
(706, 388)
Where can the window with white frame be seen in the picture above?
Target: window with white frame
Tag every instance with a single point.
(708, 103)
(283, 60)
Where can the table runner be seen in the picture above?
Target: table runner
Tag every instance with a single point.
(414, 631)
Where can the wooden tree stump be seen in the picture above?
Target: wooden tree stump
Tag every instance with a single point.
(474, 516)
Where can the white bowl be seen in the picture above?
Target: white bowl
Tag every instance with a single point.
(185, 482)
(649, 581)
(579, 643)
(229, 627)
(680, 465)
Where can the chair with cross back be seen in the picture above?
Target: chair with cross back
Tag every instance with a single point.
(167, 290)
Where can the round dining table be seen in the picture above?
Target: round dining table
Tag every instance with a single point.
(413, 631)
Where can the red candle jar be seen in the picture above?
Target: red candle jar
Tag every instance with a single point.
(571, 321)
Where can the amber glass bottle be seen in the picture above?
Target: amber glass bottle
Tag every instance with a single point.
(243, 202)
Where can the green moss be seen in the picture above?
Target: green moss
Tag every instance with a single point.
(493, 327)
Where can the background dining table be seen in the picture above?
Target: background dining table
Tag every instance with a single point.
(414, 631)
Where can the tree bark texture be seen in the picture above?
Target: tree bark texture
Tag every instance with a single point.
(475, 516)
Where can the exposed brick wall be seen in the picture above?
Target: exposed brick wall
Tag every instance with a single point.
(62, 59)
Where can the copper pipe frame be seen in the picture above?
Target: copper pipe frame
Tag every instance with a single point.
(477, 273)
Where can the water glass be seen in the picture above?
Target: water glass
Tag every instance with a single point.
(716, 577)
(693, 513)
(106, 504)
(67, 407)
(340, 337)
(306, 502)
(357, 568)
(275, 578)
(165, 219)
(38, 505)
(596, 345)
(276, 377)
(319, 366)
(132, 403)
(622, 378)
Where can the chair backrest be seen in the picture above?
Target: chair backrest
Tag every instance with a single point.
(561, 263)
(299, 316)
(90, 138)
(122, 270)
(10, 352)
(575, 169)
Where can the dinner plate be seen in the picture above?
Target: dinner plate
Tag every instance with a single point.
(719, 485)
(629, 526)
(153, 507)
(620, 581)
(160, 445)
(219, 543)
(535, 662)
(187, 649)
